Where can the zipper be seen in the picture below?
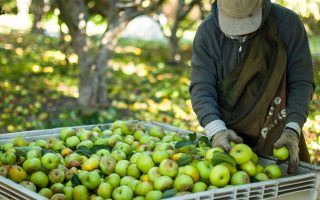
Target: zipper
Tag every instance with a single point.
(241, 41)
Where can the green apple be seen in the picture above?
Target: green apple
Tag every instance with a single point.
(46, 192)
(127, 128)
(157, 131)
(143, 188)
(17, 173)
(103, 152)
(167, 139)
(212, 187)
(42, 143)
(134, 157)
(249, 167)
(209, 153)
(57, 188)
(114, 180)
(96, 129)
(183, 182)
(231, 168)
(241, 153)
(273, 171)
(90, 164)
(91, 180)
(68, 192)
(133, 171)
(154, 195)
(142, 148)
(124, 147)
(128, 139)
(219, 175)
(31, 164)
(57, 146)
(66, 133)
(281, 153)
(9, 158)
(159, 156)
(72, 142)
(122, 193)
(107, 164)
(168, 167)
(259, 168)
(204, 168)
(163, 183)
(139, 198)
(138, 134)
(3, 171)
(254, 158)
(7, 146)
(20, 141)
(161, 146)
(145, 162)
(122, 167)
(105, 190)
(118, 155)
(40, 179)
(106, 133)
(49, 161)
(154, 173)
(65, 152)
(56, 176)
(80, 192)
(58, 196)
(113, 139)
(86, 143)
(101, 141)
(199, 187)
(72, 156)
(191, 171)
(261, 177)
(29, 185)
(240, 178)
(33, 153)
(129, 181)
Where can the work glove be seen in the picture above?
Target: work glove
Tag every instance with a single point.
(290, 139)
(223, 138)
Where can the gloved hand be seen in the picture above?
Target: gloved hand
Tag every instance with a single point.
(223, 138)
(290, 139)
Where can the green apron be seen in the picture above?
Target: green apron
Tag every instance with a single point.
(252, 97)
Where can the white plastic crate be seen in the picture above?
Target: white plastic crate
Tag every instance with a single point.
(302, 185)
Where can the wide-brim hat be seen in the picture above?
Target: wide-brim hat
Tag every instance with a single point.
(239, 17)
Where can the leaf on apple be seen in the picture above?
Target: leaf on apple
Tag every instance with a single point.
(98, 147)
(185, 159)
(22, 151)
(193, 136)
(84, 151)
(205, 140)
(184, 143)
(220, 157)
(169, 193)
(75, 180)
(45, 151)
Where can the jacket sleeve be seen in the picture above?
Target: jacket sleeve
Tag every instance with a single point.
(300, 79)
(203, 84)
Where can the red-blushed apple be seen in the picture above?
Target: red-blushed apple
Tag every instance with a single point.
(219, 176)
(199, 187)
(241, 153)
(80, 192)
(249, 167)
(183, 182)
(122, 193)
(40, 179)
(273, 171)
(107, 164)
(113, 179)
(163, 183)
(154, 195)
(204, 168)
(145, 162)
(281, 153)
(105, 190)
(154, 173)
(240, 178)
(168, 167)
(143, 188)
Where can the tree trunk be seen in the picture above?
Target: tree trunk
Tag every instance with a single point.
(37, 9)
(174, 55)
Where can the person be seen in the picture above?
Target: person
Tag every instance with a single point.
(252, 77)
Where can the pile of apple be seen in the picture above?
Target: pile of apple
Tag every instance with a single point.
(127, 161)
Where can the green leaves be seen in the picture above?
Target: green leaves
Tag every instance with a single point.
(75, 180)
(88, 152)
(169, 193)
(185, 159)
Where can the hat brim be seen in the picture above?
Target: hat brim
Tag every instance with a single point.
(233, 26)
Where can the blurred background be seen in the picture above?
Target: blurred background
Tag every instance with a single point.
(79, 62)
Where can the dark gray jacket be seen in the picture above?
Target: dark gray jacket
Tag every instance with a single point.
(215, 55)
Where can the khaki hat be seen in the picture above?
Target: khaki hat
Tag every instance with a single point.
(239, 17)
